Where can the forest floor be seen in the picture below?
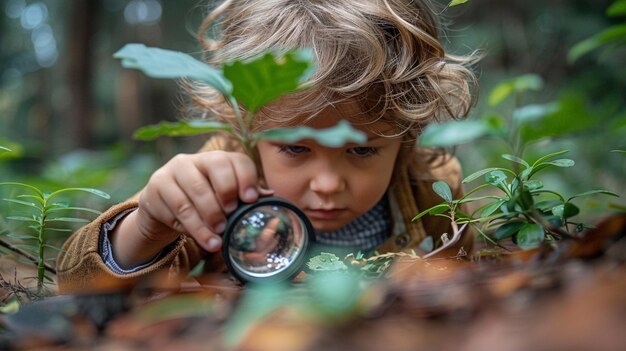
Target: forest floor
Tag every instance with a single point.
(572, 297)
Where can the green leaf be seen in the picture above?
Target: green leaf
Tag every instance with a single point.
(508, 229)
(35, 197)
(563, 162)
(326, 262)
(181, 128)
(547, 204)
(516, 85)
(533, 184)
(477, 198)
(36, 190)
(68, 219)
(442, 189)
(457, 2)
(25, 203)
(593, 192)
(10, 150)
(455, 132)
(530, 236)
(548, 156)
(495, 177)
(612, 34)
(478, 174)
(566, 210)
(619, 151)
(491, 208)
(52, 247)
(62, 230)
(92, 191)
(533, 113)
(617, 8)
(260, 80)
(162, 63)
(336, 136)
(571, 114)
(70, 208)
(437, 209)
(23, 219)
(516, 159)
(22, 236)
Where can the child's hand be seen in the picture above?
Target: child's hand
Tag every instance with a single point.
(193, 194)
(190, 194)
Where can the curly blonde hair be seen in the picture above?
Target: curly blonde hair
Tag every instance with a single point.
(384, 54)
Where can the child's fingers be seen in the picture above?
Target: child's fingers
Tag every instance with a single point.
(184, 214)
(200, 192)
(217, 168)
(247, 179)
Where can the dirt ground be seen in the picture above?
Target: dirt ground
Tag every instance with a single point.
(569, 298)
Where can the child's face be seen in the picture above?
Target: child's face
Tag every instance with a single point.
(333, 186)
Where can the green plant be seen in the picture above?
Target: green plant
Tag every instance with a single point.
(252, 83)
(43, 212)
(521, 207)
(612, 37)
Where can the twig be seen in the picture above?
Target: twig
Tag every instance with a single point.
(27, 256)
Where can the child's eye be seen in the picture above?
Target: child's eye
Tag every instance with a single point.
(293, 150)
(363, 151)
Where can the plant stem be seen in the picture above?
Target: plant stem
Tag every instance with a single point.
(27, 256)
(41, 249)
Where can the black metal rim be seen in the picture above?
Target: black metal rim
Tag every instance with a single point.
(298, 262)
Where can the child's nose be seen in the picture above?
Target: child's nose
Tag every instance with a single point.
(327, 182)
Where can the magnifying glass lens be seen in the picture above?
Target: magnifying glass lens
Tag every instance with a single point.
(266, 240)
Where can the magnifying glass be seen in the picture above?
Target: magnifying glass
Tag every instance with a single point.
(266, 240)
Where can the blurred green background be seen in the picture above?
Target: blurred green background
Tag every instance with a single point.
(68, 109)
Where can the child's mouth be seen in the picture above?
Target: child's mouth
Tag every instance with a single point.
(325, 213)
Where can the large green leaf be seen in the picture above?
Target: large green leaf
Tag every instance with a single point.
(615, 34)
(260, 80)
(182, 128)
(455, 132)
(162, 63)
(336, 136)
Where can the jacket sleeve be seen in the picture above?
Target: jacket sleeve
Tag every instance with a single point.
(80, 267)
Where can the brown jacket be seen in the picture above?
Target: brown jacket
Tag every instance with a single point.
(80, 266)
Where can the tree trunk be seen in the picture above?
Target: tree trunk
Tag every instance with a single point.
(80, 71)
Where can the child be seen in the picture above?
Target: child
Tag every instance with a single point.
(380, 66)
